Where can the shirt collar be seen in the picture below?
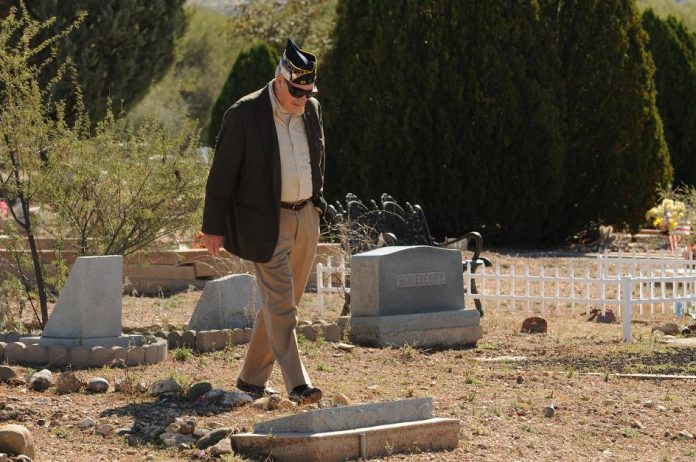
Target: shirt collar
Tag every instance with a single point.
(277, 107)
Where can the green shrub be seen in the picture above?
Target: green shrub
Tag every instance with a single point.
(253, 69)
(673, 48)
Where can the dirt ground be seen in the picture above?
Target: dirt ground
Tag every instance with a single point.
(498, 390)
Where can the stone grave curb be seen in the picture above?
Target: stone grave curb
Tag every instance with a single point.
(214, 340)
(16, 352)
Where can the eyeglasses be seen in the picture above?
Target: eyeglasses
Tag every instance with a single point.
(299, 92)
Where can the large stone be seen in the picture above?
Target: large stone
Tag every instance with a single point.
(382, 440)
(534, 325)
(7, 374)
(406, 280)
(97, 385)
(211, 438)
(16, 439)
(68, 382)
(350, 417)
(445, 328)
(226, 303)
(165, 386)
(197, 390)
(40, 381)
(89, 305)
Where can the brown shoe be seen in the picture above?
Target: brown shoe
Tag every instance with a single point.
(304, 394)
(256, 391)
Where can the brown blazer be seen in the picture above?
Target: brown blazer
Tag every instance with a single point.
(242, 198)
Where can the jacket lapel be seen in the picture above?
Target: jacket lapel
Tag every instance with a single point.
(269, 137)
(311, 123)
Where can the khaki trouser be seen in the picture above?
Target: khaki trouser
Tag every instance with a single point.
(281, 283)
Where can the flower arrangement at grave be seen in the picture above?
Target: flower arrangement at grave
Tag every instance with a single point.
(668, 215)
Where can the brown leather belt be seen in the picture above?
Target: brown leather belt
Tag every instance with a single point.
(294, 205)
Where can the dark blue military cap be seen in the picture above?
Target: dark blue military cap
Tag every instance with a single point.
(298, 66)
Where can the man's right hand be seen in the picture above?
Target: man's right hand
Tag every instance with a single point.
(212, 243)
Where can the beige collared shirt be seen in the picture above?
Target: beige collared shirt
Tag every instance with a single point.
(295, 166)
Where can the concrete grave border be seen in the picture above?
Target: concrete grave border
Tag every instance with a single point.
(18, 352)
(214, 340)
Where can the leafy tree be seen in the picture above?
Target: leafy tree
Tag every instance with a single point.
(254, 68)
(307, 22)
(123, 188)
(123, 46)
(616, 151)
(118, 190)
(27, 136)
(453, 105)
(673, 48)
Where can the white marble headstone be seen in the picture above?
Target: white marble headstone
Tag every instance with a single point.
(89, 305)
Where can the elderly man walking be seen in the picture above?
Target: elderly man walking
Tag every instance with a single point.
(263, 203)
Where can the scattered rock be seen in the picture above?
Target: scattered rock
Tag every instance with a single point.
(67, 382)
(667, 328)
(213, 437)
(7, 373)
(684, 435)
(609, 402)
(187, 427)
(661, 408)
(104, 429)
(41, 380)
(173, 427)
(87, 422)
(211, 398)
(118, 363)
(649, 404)
(339, 399)
(177, 439)
(272, 402)
(637, 424)
(97, 385)
(129, 386)
(346, 347)
(236, 399)
(16, 439)
(685, 331)
(224, 446)
(519, 379)
(550, 411)
(165, 386)
(609, 317)
(534, 325)
(197, 390)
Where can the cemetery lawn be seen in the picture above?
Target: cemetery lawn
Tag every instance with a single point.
(498, 391)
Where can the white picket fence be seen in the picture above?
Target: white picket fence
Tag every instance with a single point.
(651, 282)
(571, 288)
(327, 276)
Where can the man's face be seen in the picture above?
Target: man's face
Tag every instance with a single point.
(290, 103)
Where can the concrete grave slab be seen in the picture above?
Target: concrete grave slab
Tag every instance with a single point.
(407, 437)
(89, 305)
(406, 280)
(349, 417)
(227, 303)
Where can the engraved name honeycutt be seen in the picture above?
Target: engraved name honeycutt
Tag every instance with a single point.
(421, 279)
